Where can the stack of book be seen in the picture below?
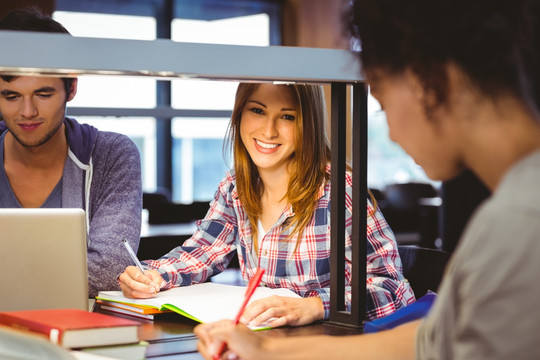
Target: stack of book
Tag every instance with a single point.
(137, 310)
(80, 330)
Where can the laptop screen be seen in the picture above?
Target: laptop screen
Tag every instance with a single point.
(43, 259)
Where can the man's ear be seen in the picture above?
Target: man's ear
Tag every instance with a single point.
(72, 89)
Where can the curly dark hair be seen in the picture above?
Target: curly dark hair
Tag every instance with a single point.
(496, 43)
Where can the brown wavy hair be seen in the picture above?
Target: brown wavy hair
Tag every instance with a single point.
(311, 156)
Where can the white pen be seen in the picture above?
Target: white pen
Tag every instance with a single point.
(133, 256)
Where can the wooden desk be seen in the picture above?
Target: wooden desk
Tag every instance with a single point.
(171, 335)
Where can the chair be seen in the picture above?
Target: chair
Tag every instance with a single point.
(153, 199)
(161, 210)
(409, 211)
(423, 267)
(170, 221)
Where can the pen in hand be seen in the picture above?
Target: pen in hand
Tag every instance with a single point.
(134, 257)
(253, 284)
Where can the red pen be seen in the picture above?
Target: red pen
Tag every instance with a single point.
(253, 284)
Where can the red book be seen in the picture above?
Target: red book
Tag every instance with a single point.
(72, 328)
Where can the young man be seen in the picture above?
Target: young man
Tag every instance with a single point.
(460, 85)
(48, 160)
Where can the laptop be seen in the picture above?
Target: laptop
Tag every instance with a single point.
(43, 259)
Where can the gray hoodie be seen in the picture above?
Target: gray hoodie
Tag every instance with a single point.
(102, 175)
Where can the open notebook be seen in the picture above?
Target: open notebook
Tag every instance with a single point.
(43, 259)
(206, 302)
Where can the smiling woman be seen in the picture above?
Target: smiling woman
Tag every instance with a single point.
(278, 137)
(273, 211)
(267, 131)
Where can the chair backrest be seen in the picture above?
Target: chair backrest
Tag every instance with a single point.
(405, 208)
(404, 197)
(423, 267)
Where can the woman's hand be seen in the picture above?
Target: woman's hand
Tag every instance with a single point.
(136, 285)
(280, 310)
(242, 343)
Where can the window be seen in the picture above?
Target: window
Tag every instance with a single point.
(197, 143)
(115, 91)
(196, 160)
(201, 108)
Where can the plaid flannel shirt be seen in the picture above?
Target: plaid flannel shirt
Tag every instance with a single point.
(304, 269)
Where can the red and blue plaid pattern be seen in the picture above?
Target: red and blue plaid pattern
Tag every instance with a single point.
(305, 269)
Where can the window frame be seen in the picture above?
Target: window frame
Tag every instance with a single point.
(164, 11)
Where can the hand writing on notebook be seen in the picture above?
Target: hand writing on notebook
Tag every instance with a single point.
(138, 286)
(241, 342)
(278, 311)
